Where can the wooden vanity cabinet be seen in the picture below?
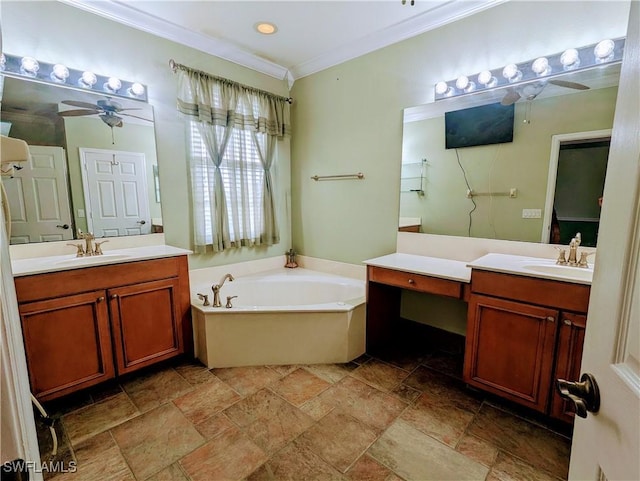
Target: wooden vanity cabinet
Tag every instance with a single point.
(517, 342)
(67, 343)
(568, 360)
(84, 326)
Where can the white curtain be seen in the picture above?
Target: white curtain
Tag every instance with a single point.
(233, 131)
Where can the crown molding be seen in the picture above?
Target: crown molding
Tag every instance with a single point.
(438, 16)
(126, 14)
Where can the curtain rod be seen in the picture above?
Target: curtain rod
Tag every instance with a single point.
(175, 66)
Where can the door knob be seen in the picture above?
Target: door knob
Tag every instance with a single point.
(585, 394)
(63, 226)
(142, 222)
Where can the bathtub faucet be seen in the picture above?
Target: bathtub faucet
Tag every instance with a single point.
(216, 290)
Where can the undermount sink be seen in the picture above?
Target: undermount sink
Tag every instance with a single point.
(561, 271)
(104, 258)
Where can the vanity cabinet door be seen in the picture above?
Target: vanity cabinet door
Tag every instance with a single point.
(568, 360)
(510, 349)
(68, 343)
(146, 321)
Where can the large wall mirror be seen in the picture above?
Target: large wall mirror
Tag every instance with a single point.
(544, 186)
(88, 170)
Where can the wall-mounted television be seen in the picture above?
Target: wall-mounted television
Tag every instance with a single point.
(487, 124)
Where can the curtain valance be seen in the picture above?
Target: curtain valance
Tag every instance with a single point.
(219, 101)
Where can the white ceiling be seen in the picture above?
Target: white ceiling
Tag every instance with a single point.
(311, 36)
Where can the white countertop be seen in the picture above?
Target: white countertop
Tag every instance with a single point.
(532, 267)
(39, 265)
(430, 266)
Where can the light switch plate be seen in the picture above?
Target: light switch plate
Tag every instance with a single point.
(531, 213)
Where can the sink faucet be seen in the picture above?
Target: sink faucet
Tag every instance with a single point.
(573, 250)
(216, 290)
(88, 237)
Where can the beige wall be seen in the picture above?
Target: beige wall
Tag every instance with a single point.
(54, 32)
(349, 118)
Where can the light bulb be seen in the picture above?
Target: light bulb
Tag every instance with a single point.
(604, 50)
(29, 66)
(463, 83)
(113, 84)
(443, 89)
(59, 73)
(570, 59)
(511, 73)
(87, 80)
(136, 89)
(487, 79)
(540, 66)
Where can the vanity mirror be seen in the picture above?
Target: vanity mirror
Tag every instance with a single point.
(93, 163)
(515, 186)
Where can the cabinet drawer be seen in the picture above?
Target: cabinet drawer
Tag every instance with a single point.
(56, 284)
(543, 292)
(416, 282)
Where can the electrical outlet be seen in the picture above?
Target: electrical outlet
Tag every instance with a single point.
(531, 213)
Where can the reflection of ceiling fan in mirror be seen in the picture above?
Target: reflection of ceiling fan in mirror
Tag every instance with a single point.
(530, 91)
(109, 111)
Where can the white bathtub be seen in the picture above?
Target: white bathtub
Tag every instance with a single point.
(286, 316)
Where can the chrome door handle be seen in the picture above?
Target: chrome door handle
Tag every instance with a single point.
(63, 226)
(585, 394)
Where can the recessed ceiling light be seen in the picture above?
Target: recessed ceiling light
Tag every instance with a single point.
(266, 28)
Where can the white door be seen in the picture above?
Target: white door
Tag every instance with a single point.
(606, 445)
(39, 198)
(115, 192)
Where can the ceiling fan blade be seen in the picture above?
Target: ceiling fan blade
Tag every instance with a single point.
(77, 103)
(570, 85)
(134, 116)
(78, 113)
(511, 97)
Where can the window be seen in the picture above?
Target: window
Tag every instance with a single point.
(243, 182)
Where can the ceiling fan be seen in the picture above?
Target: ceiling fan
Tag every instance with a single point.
(108, 110)
(530, 91)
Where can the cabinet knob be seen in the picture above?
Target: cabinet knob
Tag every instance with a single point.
(551, 319)
(411, 281)
(114, 296)
(100, 299)
(567, 322)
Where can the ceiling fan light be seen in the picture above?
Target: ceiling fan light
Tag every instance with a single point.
(59, 73)
(540, 66)
(570, 59)
(512, 73)
(29, 66)
(487, 79)
(87, 80)
(603, 50)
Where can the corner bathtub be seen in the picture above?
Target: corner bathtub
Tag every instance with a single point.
(286, 316)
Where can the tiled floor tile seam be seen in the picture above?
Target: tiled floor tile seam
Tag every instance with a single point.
(500, 450)
(533, 421)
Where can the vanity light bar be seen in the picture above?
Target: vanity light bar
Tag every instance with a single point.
(59, 74)
(605, 52)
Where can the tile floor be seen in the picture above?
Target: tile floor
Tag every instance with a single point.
(396, 417)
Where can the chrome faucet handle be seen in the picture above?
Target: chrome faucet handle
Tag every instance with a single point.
(79, 249)
(205, 298)
(562, 256)
(228, 304)
(98, 249)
